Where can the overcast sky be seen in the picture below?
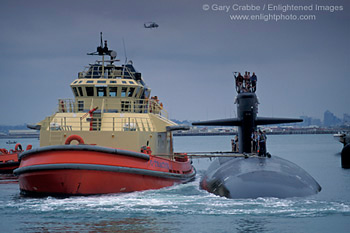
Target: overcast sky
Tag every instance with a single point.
(302, 66)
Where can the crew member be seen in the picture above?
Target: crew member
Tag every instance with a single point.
(246, 78)
(239, 82)
(234, 143)
(254, 141)
(253, 80)
(262, 143)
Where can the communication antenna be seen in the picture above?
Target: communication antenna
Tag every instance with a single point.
(101, 39)
(126, 58)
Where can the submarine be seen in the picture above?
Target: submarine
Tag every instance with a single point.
(247, 173)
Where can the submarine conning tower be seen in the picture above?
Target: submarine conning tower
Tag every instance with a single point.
(247, 109)
(247, 119)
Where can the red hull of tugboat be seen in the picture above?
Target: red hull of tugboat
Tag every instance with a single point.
(87, 170)
(9, 159)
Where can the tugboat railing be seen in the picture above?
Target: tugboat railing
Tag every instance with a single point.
(64, 123)
(114, 106)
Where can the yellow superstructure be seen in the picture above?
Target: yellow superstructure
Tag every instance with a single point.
(112, 108)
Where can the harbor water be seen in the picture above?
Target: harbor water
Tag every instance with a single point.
(187, 208)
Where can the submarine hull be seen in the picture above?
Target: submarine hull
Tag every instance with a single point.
(255, 177)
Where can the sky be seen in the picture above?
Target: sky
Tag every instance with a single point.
(302, 66)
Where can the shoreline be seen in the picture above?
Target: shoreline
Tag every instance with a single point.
(180, 134)
(268, 133)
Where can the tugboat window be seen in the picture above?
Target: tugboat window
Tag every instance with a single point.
(80, 91)
(90, 91)
(75, 91)
(131, 91)
(123, 94)
(113, 91)
(101, 91)
(137, 91)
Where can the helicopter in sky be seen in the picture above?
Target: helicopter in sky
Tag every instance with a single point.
(150, 25)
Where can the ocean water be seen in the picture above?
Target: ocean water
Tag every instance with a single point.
(187, 208)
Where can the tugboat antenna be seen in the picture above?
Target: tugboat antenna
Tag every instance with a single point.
(126, 57)
(101, 39)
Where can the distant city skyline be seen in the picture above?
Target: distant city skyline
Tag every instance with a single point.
(328, 120)
(188, 61)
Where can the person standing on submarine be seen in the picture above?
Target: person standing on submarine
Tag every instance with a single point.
(262, 143)
(254, 141)
(253, 80)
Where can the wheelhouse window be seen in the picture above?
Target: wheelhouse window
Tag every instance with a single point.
(101, 91)
(113, 91)
(137, 91)
(80, 91)
(131, 91)
(75, 91)
(90, 91)
(123, 94)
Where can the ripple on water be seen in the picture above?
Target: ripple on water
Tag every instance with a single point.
(180, 199)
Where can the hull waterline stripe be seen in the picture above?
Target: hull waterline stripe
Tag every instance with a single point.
(97, 167)
(83, 148)
(9, 164)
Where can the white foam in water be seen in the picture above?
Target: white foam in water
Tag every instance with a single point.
(183, 199)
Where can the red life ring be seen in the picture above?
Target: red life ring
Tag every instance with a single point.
(74, 137)
(18, 147)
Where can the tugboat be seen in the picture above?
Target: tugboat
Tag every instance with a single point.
(113, 137)
(9, 159)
